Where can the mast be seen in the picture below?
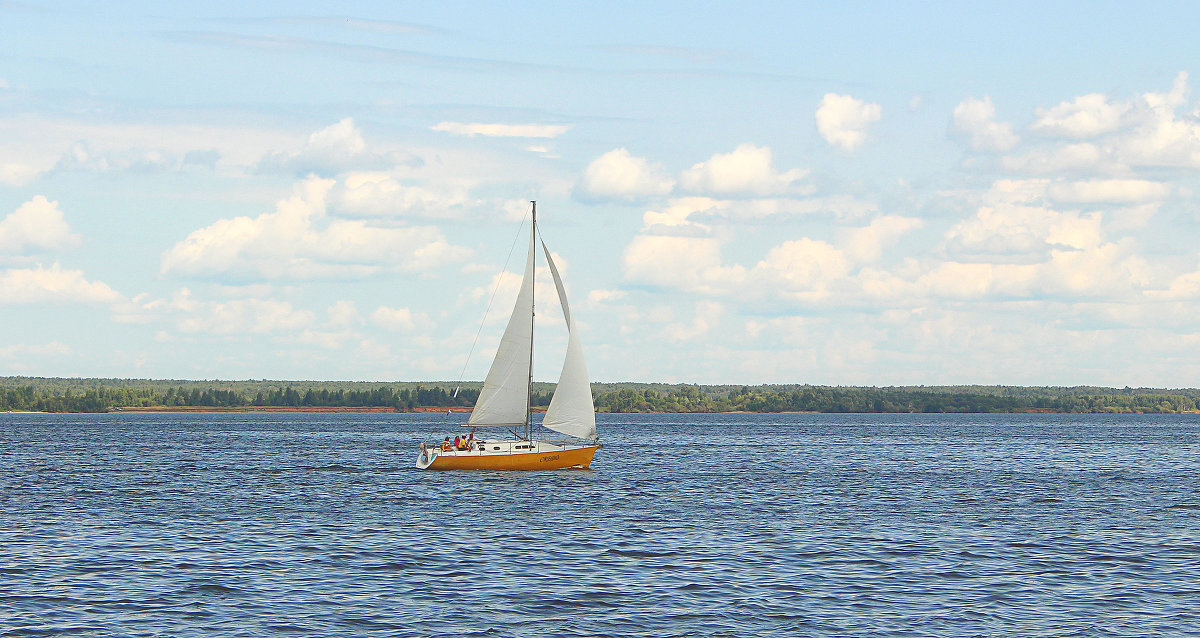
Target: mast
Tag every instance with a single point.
(533, 311)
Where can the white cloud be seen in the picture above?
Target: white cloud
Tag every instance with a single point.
(18, 173)
(1161, 137)
(866, 244)
(253, 315)
(597, 297)
(1086, 116)
(398, 319)
(326, 339)
(978, 280)
(1119, 191)
(618, 174)
(747, 170)
(31, 145)
(333, 150)
(52, 285)
(246, 316)
(802, 266)
(843, 120)
(707, 315)
(1151, 130)
(342, 314)
(1185, 286)
(125, 160)
(975, 120)
(1016, 246)
(23, 351)
(377, 194)
(1070, 158)
(501, 130)
(36, 225)
(801, 269)
(291, 243)
(1014, 233)
(675, 218)
(688, 263)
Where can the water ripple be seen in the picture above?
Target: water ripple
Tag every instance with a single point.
(689, 525)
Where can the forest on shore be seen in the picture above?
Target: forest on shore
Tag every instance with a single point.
(38, 394)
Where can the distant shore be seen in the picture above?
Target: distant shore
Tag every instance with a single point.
(282, 408)
(463, 410)
(39, 394)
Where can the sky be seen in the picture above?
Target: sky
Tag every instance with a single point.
(859, 193)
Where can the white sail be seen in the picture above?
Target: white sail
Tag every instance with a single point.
(504, 399)
(571, 409)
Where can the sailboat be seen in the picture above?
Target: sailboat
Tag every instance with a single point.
(505, 400)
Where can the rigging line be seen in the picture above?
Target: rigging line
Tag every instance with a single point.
(458, 384)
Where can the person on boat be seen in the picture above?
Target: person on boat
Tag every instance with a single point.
(469, 443)
(457, 442)
(446, 445)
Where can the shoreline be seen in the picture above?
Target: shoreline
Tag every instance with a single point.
(540, 410)
(269, 408)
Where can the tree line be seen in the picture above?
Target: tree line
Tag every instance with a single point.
(101, 395)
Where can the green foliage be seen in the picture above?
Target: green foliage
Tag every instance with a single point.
(99, 395)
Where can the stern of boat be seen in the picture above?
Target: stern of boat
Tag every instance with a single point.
(425, 458)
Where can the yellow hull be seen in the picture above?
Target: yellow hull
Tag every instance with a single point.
(547, 460)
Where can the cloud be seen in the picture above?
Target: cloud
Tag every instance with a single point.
(688, 263)
(747, 170)
(374, 194)
(1086, 116)
(501, 130)
(800, 269)
(1017, 246)
(1152, 130)
(1120, 191)
(333, 150)
(31, 145)
(601, 296)
(252, 315)
(293, 242)
(802, 265)
(1185, 286)
(1018, 233)
(1109, 270)
(707, 315)
(1083, 157)
(52, 285)
(17, 173)
(246, 316)
(866, 244)
(22, 351)
(398, 319)
(843, 120)
(975, 121)
(1161, 137)
(619, 175)
(36, 225)
(342, 314)
(126, 160)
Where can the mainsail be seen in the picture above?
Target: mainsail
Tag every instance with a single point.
(571, 409)
(504, 399)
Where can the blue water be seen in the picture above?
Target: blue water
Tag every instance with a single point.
(687, 525)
